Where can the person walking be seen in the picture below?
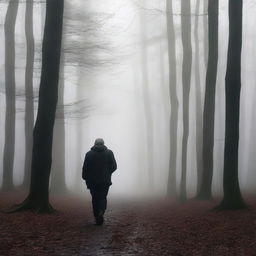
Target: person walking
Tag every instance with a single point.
(99, 164)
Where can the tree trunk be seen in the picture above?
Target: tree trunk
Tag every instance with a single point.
(205, 22)
(209, 103)
(79, 137)
(251, 172)
(199, 111)
(9, 144)
(29, 107)
(58, 183)
(186, 79)
(232, 196)
(38, 198)
(171, 186)
(147, 106)
(43, 15)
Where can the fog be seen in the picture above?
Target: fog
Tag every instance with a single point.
(116, 87)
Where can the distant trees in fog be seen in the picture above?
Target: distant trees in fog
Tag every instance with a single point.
(232, 195)
(29, 93)
(38, 198)
(198, 99)
(38, 159)
(171, 185)
(146, 100)
(10, 111)
(186, 84)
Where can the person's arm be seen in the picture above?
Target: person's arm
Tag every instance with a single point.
(84, 173)
(113, 162)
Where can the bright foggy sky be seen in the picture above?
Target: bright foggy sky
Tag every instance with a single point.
(115, 96)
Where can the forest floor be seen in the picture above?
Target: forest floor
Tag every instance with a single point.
(156, 227)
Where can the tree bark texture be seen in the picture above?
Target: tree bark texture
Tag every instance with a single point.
(38, 198)
(186, 79)
(206, 49)
(147, 105)
(10, 113)
(58, 182)
(199, 110)
(171, 186)
(232, 196)
(209, 103)
(29, 104)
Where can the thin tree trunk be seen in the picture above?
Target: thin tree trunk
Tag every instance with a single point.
(171, 186)
(250, 157)
(199, 111)
(43, 15)
(186, 79)
(38, 198)
(140, 180)
(147, 106)
(58, 183)
(209, 103)
(206, 49)
(9, 144)
(79, 137)
(29, 107)
(58, 179)
(251, 173)
(232, 196)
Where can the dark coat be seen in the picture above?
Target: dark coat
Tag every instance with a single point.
(99, 164)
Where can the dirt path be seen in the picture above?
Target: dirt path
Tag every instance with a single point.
(131, 228)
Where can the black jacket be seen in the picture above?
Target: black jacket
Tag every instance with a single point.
(99, 164)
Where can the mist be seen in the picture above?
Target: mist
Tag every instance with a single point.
(115, 80)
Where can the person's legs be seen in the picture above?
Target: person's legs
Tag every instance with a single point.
(99, 194)
(103, 192)
(95, 200)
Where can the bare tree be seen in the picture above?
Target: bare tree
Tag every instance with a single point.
(29, 94)
(205, 22)
(147, 105)
(186, 79)
(199, 110)
(38, 198)
(58, 182)
(171, 186)
(209, 103)
(9, 144)
(232, 196)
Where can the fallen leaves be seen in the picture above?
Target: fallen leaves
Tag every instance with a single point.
(156, 228)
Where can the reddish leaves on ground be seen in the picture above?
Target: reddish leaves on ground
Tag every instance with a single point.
(159, 227)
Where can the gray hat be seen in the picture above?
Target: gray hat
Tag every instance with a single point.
(99, 141)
